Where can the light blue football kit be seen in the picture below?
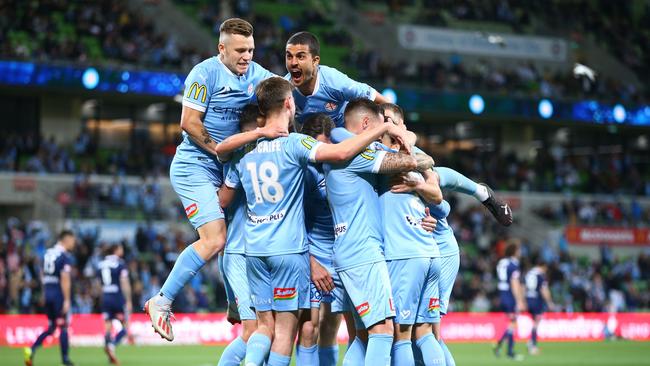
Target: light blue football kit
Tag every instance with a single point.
(412, 257)
(357, 253)
(195, 174)
(272, 176)
(331, 94)
(449, 253)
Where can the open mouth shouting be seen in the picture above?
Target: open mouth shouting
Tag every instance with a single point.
(296, 76)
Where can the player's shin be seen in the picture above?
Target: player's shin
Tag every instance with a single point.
(402, 353)
(234, 354)
(432, 353)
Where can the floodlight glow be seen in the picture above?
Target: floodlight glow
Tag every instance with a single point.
(90, 78)
(476, 104)
(545, 108)
(390, 94)
(619, 113)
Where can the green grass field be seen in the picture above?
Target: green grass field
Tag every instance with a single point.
(620, 353)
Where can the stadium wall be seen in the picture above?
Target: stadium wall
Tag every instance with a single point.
(213, 328)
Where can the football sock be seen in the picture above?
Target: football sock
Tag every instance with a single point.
(328, 356)
(119, 336)
(454, 181)
(533, 336)
(276, 359)
(449, 359)
(63, 343)
(432, 353)
(307, 356)
(356, 353)
(402, 354)
(187, 265)
(257, 349)
(378, 352)
(234, 354)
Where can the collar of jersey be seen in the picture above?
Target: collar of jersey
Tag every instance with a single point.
(226, 67)
(60, 247)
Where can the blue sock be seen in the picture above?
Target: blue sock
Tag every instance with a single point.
(63, 343)
(119, 336)
(533, 336)
(328, 356)
(417, 355)
(402, 354)
(378, 352)
(504, 336)
(234, 354)
(41, 338)
(276, 359)
(356, 353)
(432, 353)
(187, 265)
(454, 181)
(307, 356)
(107, 338)
(257, 349)
(511, 344)
(449, 359)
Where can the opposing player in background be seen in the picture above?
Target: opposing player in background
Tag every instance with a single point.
(216, 90)
(57, 265)
(538, 299)
(233, 261)
(511, 295)
(116, 297)
(272, 176)
(319, 88)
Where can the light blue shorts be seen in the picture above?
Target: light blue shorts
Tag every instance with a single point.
(449, 266)
(369, 292)
(196, 182)
(236, 281)
(415, 289)
(279, 283)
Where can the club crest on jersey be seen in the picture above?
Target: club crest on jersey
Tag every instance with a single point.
(191, 210)
(363, 309)
(250, 89)
(284, 293)
(330, 106)
(434, 304)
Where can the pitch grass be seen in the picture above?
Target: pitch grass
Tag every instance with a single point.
(619, 353)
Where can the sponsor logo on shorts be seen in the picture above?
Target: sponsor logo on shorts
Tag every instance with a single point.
(340, 229)
(284, 293)
(363, 309)
(191, 210)
(434, 304)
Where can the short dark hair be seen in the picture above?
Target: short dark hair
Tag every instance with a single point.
(362, 104)
(249, 115)
(308, 39)
(393, 107)
(65, 233)
(236, 26)
(511, 247)
(271, 94)
(318, 124)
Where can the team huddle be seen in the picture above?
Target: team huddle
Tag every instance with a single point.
(312, 193)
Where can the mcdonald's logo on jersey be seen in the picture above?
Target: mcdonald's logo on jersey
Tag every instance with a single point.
(197, 90)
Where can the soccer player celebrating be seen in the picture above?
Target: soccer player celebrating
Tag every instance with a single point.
(57, 283)
(511, 294)
(272, 176)
(319, 88)
(234, 259)
(358, 257)
(215, 92)
(538, 298)
(116, 297)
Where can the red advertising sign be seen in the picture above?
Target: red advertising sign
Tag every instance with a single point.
(583, 235)
(87, 330)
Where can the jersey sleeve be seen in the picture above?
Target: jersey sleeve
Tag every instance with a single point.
(232, 176)
(198, 89)
(340, 134)
(367, 161)
(351, 89)
(441, 210)
(514, 272)
(66, 263)
(303, 148)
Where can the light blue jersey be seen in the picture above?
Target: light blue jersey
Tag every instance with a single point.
(443, 233)
(318, 217)
(404, 236)
(355, 209)
(272, 176)
(331, 94)
(236, 211)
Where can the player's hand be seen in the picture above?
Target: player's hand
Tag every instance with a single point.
(129, 308)
(273, 131)
(400, 135)
(405, 182)
(320, 276)
(66, 308)
(521, 307)
(428, 221)
(425, 162)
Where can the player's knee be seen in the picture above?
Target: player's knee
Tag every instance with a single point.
(249, 327)
(211, 245)
(308, 332)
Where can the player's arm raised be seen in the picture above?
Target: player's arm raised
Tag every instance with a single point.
(225, 149)
(352, 146)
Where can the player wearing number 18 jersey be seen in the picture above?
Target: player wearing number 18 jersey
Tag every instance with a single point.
(57, 265)
(276, 247)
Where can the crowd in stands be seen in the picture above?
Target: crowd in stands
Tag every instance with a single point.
(577, 283)
(150, 253)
